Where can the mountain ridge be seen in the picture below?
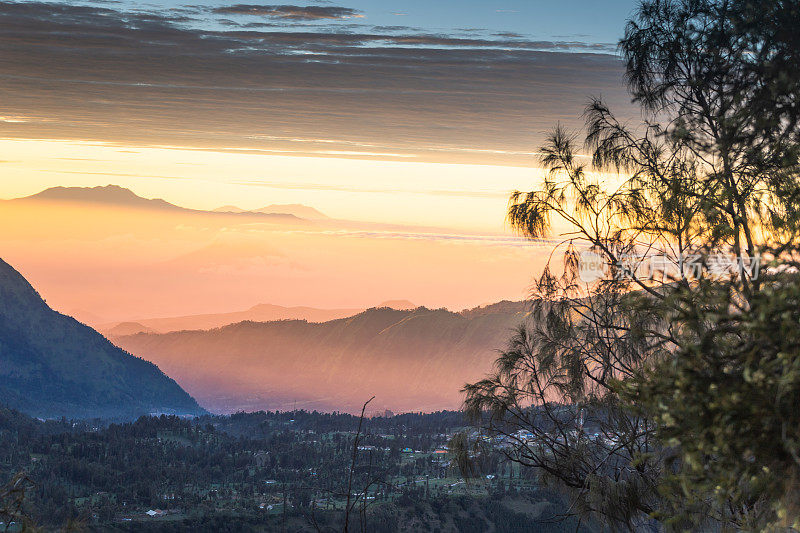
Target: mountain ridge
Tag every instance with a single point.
(298, 210)
(413, 360)
(117, 196)
(262, 312)
(204, 321)
(51, 365)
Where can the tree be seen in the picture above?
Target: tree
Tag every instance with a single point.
(12, 502)
(727, 404)
(696, 233)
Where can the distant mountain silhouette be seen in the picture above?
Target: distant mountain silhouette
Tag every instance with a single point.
(257, 313)
(229, 209)
(298, 210)
(51, 365)
(114, 195)
(85, 317)
(109, 194)
(412, 360)
(398, 304)
(128, 328)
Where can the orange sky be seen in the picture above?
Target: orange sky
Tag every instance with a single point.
(415, 146)
(432, 233)
(120, 264)
(461, 196)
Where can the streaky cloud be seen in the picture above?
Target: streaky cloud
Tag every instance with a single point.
(150, 78)
(290, 12)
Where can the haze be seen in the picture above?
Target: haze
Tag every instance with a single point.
(408, 135)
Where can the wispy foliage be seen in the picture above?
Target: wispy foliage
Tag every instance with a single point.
(665, 392)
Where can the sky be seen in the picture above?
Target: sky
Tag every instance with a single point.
(424, 114)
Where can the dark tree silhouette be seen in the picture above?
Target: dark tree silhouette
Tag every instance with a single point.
(609, 390)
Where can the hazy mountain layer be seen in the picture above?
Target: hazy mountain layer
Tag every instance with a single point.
(52, 365)
(78, 245)
(298, 210)
(114, 195)
(415, 360)
(257, 313)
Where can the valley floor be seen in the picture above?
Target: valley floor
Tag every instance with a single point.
(263, 472)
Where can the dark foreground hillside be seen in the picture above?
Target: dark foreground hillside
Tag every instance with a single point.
(51, 365)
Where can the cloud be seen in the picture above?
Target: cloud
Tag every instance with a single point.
(112, 174)
(509, 35)
(290, 12)
(382, 29)
(377, 190)
(463, 238)
(83, 159)
(149, 78)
